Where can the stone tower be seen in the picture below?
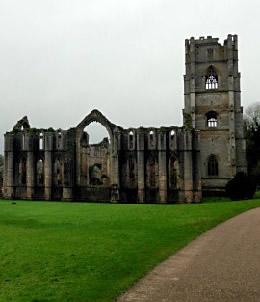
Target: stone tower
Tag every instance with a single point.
(213, 106)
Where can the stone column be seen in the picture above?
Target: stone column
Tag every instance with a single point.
(67, 193)
(188, 167)
(140, 166)
(115, 195)
(48, 146)
(78, 159)
(30, 174)
(9, 167)
(197, 167)
(162, 167)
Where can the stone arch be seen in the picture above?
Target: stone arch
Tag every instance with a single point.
(98, 117)
(211, 78)
(112, 164)
(173, 171)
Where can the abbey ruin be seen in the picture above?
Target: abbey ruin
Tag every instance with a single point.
(159, 165)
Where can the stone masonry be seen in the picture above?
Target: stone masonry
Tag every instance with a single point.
(145, 165)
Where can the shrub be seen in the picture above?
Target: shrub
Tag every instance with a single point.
(240, 187)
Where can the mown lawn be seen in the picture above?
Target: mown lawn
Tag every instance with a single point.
(52, 251)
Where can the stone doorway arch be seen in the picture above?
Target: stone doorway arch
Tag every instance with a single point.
(98, 189)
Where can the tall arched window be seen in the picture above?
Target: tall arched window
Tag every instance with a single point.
(211, 78)
(151, 138)
(59, 140)
(40, 172)
(131, 139)
(212, 120)
(212, 166)
(41, 141)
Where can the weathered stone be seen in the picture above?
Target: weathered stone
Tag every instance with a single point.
(160, 165)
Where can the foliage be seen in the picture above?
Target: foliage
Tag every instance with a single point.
(252, 125)
(240, 187)
(1, 160)
(53, 251)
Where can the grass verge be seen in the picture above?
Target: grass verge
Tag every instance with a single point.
(92, 252)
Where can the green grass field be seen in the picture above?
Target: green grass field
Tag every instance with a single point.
(54, 251)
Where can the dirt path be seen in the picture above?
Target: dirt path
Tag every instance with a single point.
(221, 265)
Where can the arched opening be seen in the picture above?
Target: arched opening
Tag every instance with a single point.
(212, 119)
(212, 166)
(172, 134)
(40, 172)
(211, 78)
(173, 172)
(95, 155)
(58, 172)
(152, 171)
(59, 140)
(151, 138)
(131, 139)
(41, 141)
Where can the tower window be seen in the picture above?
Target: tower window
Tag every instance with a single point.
(151, 137)
(59, 140)
(212, 120)
(211, 78)
(172, 134)
(131, 139)
(212, 166)
(41, 141)
(210, 53)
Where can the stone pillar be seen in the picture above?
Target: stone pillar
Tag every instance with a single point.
(67, 193)
(188, 167)
(162, 167)
(30, 172)
(197, 167)
(9, 167)
(140, 166)
(48, 146)
(115, 196)
(78, 159)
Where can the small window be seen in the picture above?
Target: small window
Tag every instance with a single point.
(59, 139)
(131, 139)
(212, 120)
(210, 53)
(40, 172)
(172, 134)
(212, 166)
(41, 141)
(151, 134)
(211, 78)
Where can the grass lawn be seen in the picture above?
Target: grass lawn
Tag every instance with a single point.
(81, 252)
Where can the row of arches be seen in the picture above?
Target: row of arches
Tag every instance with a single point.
(58, 172)
(152, 171)
(59, 143)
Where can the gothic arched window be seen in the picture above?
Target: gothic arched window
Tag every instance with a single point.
(131, 139)
(40, 172)
(211, 78)
(212, 166)
(41, 141)
(212, 119)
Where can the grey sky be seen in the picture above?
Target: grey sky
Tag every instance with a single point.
(60, 59)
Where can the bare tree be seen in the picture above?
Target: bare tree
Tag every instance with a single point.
(252, 123)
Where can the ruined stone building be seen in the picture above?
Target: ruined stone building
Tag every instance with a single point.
(160, 165)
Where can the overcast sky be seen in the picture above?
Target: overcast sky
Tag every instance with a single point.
(60, 59)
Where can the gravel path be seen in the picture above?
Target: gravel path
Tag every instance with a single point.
(221, 265)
